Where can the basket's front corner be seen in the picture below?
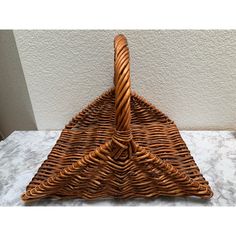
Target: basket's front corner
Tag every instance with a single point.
(79, 179)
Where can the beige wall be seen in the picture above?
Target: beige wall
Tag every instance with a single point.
(15, 106)
(189, 75)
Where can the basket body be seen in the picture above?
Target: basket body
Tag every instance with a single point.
(120, 146)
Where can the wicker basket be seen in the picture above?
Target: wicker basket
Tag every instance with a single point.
(120, 146)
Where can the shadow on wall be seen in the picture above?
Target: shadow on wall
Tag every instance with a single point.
(15, 107)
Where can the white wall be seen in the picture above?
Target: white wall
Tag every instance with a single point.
(189, 75)
(15, 106)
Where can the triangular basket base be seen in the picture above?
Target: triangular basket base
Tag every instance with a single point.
(82, 165)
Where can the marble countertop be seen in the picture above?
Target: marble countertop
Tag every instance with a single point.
(22, 153)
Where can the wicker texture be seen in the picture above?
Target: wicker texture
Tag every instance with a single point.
(120, 146)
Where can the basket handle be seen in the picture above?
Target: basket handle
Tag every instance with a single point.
(122, 140)
(122, 83)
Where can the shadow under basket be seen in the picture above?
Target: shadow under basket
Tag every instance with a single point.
(120, 146)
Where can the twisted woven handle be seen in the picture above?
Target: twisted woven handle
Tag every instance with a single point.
(122, 83)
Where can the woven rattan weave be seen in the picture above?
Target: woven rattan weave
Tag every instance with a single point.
(120, 146)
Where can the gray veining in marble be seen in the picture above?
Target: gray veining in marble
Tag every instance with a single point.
(22, 153)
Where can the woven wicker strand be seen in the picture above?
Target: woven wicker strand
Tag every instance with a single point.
(120, 146)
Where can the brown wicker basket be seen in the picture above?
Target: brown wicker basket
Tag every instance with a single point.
(120, 146)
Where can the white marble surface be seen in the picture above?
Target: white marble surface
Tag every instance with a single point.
(22, 153)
